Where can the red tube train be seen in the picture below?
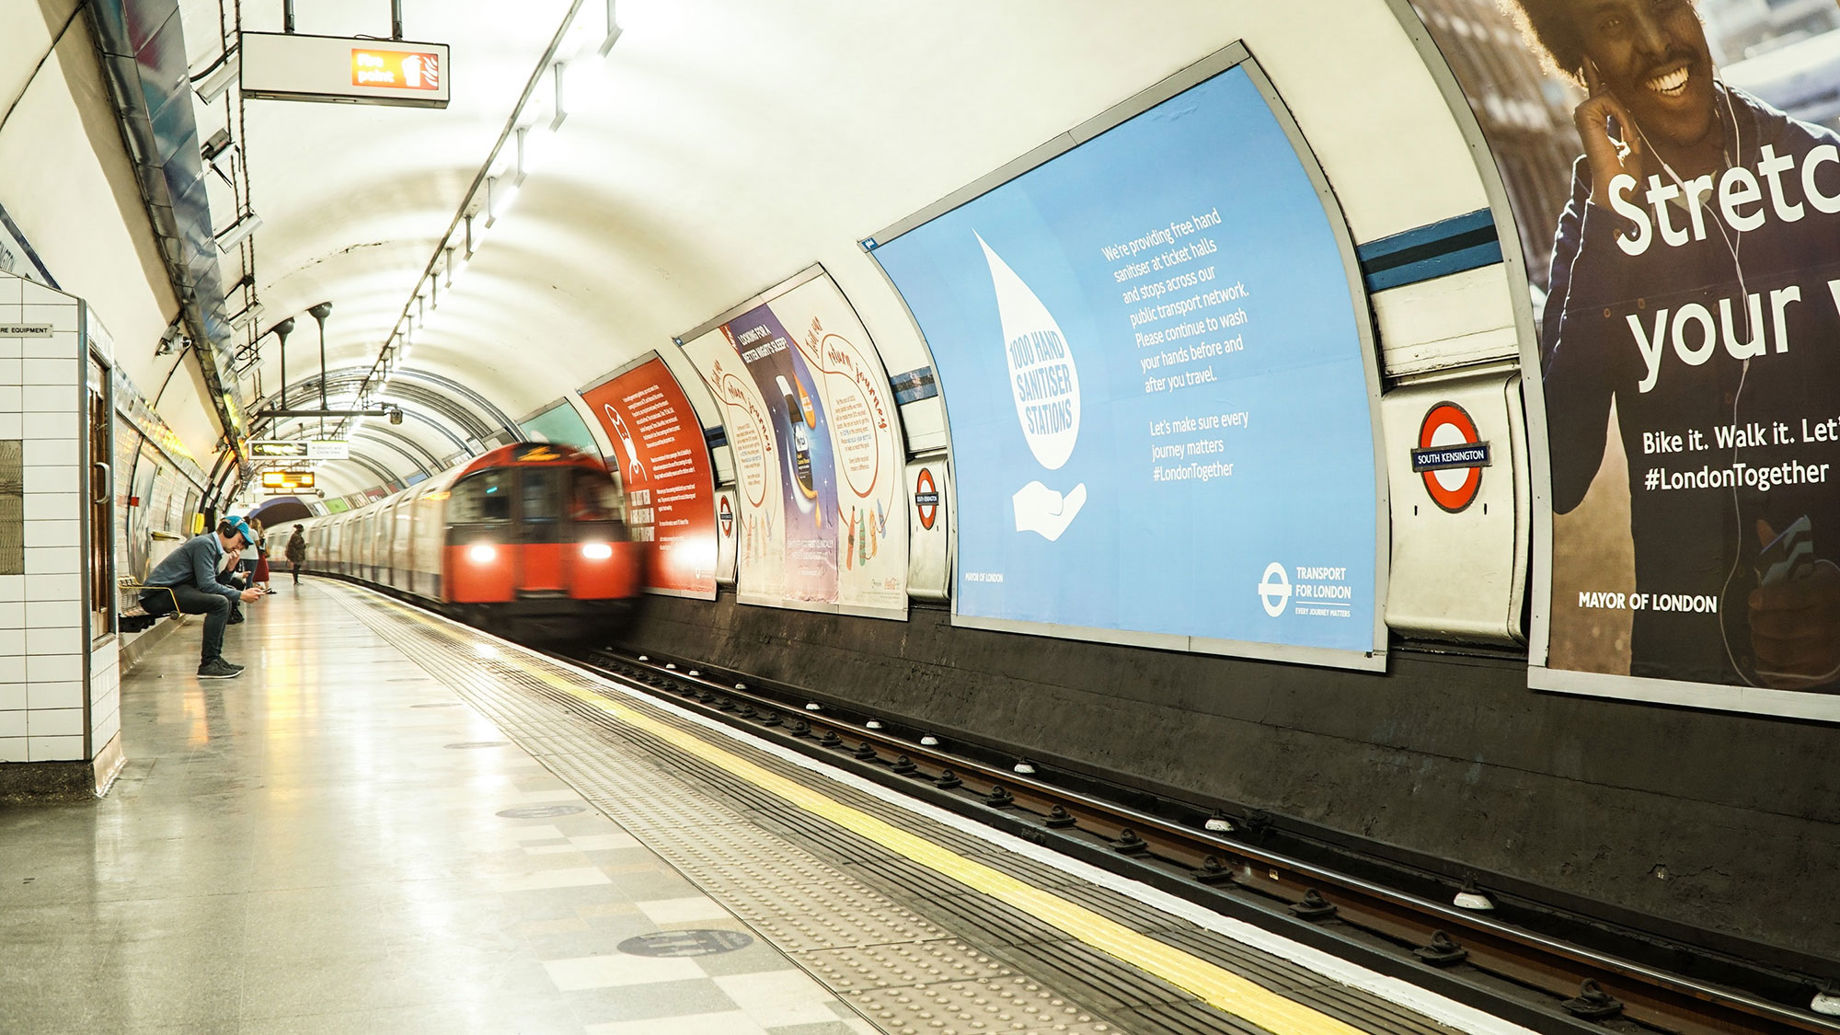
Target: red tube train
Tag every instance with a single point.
(529, 538)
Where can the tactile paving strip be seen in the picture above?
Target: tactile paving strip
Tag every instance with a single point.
(1005, 1004)
(862, 921)
(865, 967)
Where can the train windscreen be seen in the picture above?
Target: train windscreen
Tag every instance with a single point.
(482, 498)
(540, 498)
(592, 498)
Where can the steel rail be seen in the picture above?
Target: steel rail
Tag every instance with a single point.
(1589, 985)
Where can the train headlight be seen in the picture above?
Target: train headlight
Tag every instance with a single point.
(596, 551)
(481, 553)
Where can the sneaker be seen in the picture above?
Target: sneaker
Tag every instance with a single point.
(218, 668)
(232, 664)
(235, 618)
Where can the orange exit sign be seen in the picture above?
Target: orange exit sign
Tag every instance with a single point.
(395, 69)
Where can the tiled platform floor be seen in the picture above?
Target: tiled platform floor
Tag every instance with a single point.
(333, 842)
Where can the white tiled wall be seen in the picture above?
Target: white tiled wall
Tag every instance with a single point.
(105, 694)
(42, 640)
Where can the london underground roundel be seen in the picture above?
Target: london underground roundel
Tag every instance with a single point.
(1450, 456)
(926, 498)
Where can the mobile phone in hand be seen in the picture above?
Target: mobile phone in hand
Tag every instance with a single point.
(1789, 556)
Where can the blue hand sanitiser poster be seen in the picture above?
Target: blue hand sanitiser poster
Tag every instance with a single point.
(1159, 384)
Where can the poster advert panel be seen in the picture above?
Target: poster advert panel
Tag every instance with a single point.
(760, 576)
(1156, 384)
(866, 446)
(1681, 220)
(670, 493)
(819, 417)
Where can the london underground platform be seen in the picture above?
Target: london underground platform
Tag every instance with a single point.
(392, 821)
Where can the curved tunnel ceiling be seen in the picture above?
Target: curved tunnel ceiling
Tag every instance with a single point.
(441, 420)
(727, 144)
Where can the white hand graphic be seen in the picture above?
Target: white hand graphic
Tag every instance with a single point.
(1045, 512)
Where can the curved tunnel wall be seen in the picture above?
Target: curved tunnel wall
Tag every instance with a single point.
(1444, 755)
(1706, 821)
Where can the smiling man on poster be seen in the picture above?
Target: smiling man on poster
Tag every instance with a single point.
(1696, 289)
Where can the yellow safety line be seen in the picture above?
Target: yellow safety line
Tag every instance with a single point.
(1215, 985)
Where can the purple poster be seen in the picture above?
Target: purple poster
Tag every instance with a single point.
(807, 472)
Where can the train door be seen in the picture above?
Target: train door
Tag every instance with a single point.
(386, 541)
(479, 559)
(595, 535)
(540, 492)
(373, 536)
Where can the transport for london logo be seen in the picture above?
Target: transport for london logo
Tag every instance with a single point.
(1274, 589)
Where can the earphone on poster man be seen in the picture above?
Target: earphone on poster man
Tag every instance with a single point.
(1734, 243)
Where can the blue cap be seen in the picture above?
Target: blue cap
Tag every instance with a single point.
(242, 529)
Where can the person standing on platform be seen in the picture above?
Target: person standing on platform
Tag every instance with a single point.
(259, 577)
(297, 551)
(188, 579)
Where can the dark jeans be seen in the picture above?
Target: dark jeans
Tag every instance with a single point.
(215, 607)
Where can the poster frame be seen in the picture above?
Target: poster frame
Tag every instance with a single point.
(1787, 704)
(642, 359)
(766, 297)
(1233, 55)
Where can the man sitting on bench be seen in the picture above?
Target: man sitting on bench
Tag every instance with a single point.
(189, 579)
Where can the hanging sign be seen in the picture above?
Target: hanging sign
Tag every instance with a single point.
(277, 449)
(281, 66)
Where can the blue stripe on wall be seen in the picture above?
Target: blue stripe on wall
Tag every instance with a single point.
(1464, 242)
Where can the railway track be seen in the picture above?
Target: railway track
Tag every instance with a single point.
(1481, 956)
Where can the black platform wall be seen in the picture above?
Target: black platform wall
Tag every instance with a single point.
(1717, 821)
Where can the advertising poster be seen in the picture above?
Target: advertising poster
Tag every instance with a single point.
(1675, 174)
(1159, 389)
(807, 476)
(760, 576)
(670, 494)
(866, 446)
(806, 400)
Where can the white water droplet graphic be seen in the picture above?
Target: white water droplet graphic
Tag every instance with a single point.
(1042, 375)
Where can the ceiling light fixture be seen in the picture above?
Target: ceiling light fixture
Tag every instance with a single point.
(499, 196)
(523, 133)
(613, 31)
(234, 236)
(218, 79)
(555, 120)
(250, 312)
(566, 47)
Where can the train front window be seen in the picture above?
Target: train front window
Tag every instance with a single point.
(540, 495)
(592, 497)
(482, 498)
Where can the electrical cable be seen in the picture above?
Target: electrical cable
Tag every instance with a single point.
(1733, 246)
